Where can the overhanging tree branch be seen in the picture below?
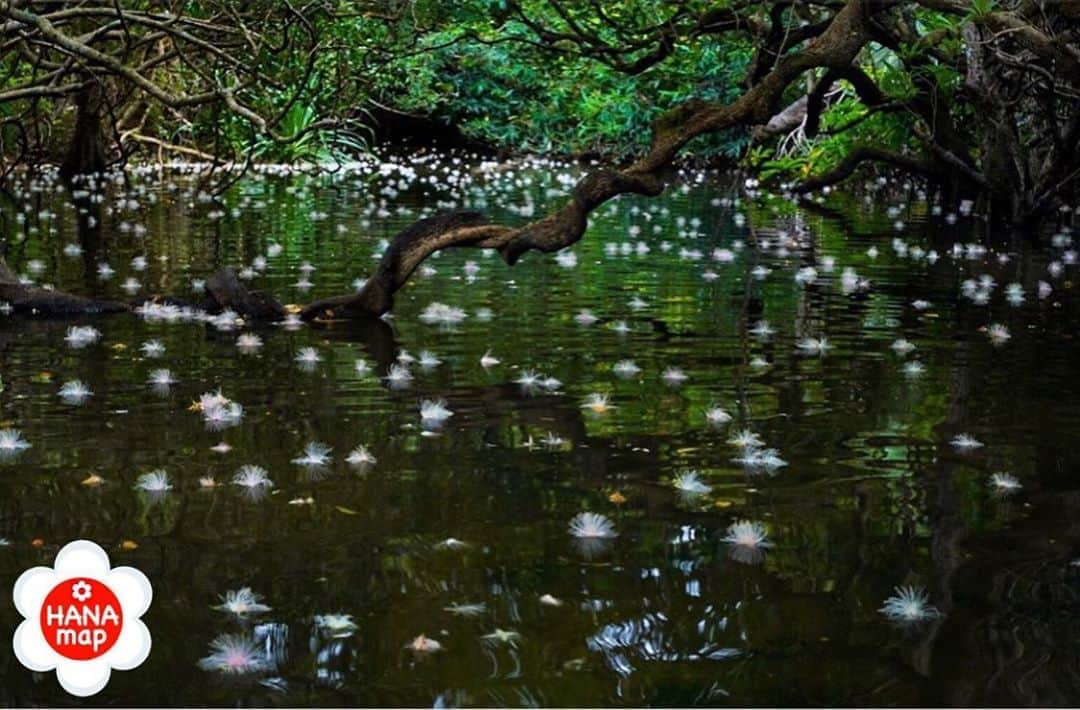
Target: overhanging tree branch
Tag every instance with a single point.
(846, 167)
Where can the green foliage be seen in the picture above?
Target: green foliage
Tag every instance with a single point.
(485, 68)
(309, 143)
(981, 8)
(501, 89)
(847, 122)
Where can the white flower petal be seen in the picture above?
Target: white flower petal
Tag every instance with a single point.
(31, 588)
(31, 648)
(132, 589)
(132, 647)
(81, 558)
(83, 678)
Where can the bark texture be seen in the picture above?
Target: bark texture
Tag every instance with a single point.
(86, 153)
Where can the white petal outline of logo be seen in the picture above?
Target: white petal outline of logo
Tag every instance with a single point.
(82, 558)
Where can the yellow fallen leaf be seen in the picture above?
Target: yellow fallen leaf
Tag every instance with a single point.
(93, 480)
(724, 503)
(119, 346)
(346, 511)
(128, 545)
(617, 498)
(292, 308)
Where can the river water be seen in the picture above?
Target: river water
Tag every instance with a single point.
(461, 532)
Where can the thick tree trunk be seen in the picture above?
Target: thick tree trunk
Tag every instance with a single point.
(86, 153)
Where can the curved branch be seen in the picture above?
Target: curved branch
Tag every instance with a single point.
(58, 38)
(868, 92)
(861, 155)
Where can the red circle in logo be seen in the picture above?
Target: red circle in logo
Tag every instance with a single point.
(81, 618)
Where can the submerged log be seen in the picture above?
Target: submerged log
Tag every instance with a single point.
(223, 290)
(34, 300)
(226, 291)
(407, 249)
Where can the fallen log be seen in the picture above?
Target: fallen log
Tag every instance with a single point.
(34, 300)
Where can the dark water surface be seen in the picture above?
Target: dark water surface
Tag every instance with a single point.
(873, 494)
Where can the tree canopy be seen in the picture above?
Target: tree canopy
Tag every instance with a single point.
(978, 97)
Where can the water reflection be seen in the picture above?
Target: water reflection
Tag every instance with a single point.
(733, 396)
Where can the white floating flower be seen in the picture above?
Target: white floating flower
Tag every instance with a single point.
(398, 375)
(966, 442)
(690, 482)
(673, 377)
(423, 644)
(250, 476)
(813, 346)
(12, 442)
(1005, 483)
(902, 347)
(746, 439)
(235, 654)
(242, 602)
(428, 360)
(716, 415)
(598, 403)
(467, 610)
(585, 317)
(336, 625)
(434, 411)
(748, 541)
(315, 454)
(156, 481)
(909, 605)
(153, 348)
(360, 456)
(248, 343)
(592, 525)
(308, 356)
(75, 392)
(79, 336)
(161, 378)
(999, 334)
(914, 368)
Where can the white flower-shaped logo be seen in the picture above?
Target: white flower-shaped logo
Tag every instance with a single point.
(82, 618)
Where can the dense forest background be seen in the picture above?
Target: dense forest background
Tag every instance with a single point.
(980, 97)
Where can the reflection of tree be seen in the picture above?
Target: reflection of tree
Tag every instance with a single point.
(1022, 638)
(942, 507)
(1020, 609)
